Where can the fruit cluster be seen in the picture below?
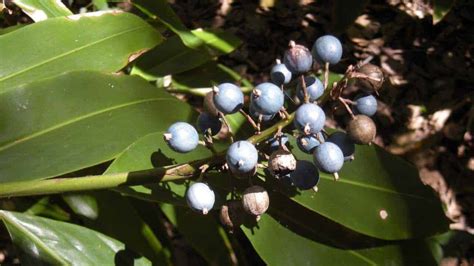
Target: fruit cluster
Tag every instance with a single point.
(267, 101)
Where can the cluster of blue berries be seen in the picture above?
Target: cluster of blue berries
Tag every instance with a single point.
(267, 100)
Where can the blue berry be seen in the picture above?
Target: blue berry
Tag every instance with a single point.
(307, 143)
(255, 114)
(200, 197)
(274, 143)
(327, 49)
(280, 74)
(366, 104)
(182, 137)
(207, 122)
(242, 157)
(328, 157)
(314, 87)
(345, 143)
(267, 98)
(309, 118)
(305, 175)
(298, 59)
(228, 98)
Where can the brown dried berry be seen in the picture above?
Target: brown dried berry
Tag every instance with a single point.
(209, 104)
(281, 163)
(362, 129)
(375, 78)
(232, 214)
(255, 201)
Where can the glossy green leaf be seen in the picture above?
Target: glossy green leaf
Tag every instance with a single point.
(39, 10)
(43, 241)
(100, 4)
(97, 213)
(440, 9)
(376, 184)
(207, 75)
(278, 245)
(104, 41)
(222, 42)
(172, 56)
(78, 119)
(202, 232)
(11, 28)
(161, 10)
(152, 151)
(345, 12)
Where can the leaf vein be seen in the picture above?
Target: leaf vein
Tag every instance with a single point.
(68, 53)
(77, 119)
(355, 183)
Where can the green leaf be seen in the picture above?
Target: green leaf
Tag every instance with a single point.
(11, 28)
(202, 232)
(161, 10)
(297, 249)
(93, 41)
(98, 213)
(222, 42)
(78, 119)
(152, 151)
(172, 56)
(344, 13)
(374, 184)
(39, 10)
(440, 9)
(100, 4)
(43, 241)
(207, 75)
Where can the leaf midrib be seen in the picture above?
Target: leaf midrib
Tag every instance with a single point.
(77, 119)
(367, 186)
(14, 74)
(228, 47)
(32, 237)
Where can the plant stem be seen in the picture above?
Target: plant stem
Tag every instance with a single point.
(59, 185)
(161, 174)
(305, 90)
(271, 130)
(250, 120)
(348, 109)
(326, 75)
